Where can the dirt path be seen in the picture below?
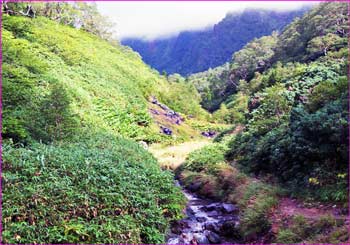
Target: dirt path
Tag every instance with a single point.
(288, 207)
(171, 157)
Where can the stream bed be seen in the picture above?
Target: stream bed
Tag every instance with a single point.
(206, 222)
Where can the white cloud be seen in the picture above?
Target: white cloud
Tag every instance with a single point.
(155, 19)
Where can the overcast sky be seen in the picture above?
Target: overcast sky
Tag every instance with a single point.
(157, 19)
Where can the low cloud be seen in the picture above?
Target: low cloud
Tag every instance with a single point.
(151, 20)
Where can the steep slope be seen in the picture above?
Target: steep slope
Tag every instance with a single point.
(100, 85)
(70, 175)
(322, 29)
(195, 51)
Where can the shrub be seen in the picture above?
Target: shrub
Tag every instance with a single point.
(99, 190)
(287, 237)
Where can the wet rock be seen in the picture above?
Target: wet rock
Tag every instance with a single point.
(187, 237)
(194, 186)
(211, 207)
(174, 240)
(178, 226)
(228, 228)
(213, 213)
(213, 237)
(211, 226)
(201, 219)
(190, 211)
(201, 238)
(229, 208)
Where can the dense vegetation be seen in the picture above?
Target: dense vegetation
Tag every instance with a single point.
(290, 92)
(196, 51)
(89, 82)
(297, 119)
(96, 189)
(287, 96)
(73, 106)
(75, 102)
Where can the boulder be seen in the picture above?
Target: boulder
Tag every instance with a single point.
(201, 238)
(211, 207)
(228, 228)
(213, 213)
(213, 237)
(229, 208)
(211, 226)
(201, 219)
(194, 186)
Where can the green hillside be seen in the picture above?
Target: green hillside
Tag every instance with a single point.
(70, 100)
(80, 112)
(101, 86)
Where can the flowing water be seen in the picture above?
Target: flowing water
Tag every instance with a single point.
(206, 222)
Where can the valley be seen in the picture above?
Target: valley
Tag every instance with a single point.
(100, 148)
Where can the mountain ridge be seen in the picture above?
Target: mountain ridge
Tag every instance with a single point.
(194, 51)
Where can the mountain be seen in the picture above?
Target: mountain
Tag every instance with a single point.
(194, 51)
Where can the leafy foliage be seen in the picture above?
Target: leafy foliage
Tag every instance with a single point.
(97, 84)
(100, 189)
(297, 127)
(78, 14)
(70, 99)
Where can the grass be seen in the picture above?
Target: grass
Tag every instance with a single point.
(171, 157)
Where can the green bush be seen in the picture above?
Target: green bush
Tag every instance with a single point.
(205, 158)
(101, 189)
(287, 237)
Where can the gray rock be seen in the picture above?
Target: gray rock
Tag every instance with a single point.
(229, 208)
(174, 240)
(143, 144)
(201, 238)
(211, 207)
(194, 187)
(211, 226)
(213, 213)
(228, 228)
(213, 237)
(201, 219)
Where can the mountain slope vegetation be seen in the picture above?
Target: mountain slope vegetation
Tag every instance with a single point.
(195, 51)
(287, 97)
(76, 105)
(73, 106)
(98, 84)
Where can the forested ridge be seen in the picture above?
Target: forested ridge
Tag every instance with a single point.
(93, 137)
(194, 51)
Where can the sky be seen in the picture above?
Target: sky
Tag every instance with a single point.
(150, 20)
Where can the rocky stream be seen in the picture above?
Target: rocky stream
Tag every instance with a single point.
(206, 222)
